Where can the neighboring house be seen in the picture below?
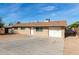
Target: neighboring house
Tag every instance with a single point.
(42, 29)
(2, 31)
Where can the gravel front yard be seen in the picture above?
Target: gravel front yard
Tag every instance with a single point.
(23, 45)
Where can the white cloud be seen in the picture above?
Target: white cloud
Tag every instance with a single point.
(48, 8)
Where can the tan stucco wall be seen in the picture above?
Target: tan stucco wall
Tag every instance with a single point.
(44, 33)
(25, 31)
(2, 30)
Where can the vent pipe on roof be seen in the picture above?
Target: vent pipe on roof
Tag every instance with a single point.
(47, 20)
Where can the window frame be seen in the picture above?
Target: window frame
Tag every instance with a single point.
(39, 29)
(16, 28)
(22, 28)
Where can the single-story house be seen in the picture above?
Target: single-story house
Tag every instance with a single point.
(42, 29)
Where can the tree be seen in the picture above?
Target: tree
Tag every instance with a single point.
(10, 24)
(74, 25)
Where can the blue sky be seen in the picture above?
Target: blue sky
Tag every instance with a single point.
(29, 12)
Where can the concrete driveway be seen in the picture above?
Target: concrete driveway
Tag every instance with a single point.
(23, 45)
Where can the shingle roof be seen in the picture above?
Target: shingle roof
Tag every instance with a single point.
(41, 24)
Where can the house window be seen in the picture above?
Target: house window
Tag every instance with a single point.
(16, 28)
(39, 29)
(22, 28)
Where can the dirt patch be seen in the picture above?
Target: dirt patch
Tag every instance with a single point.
(23, 45)
(71, 46)
(12, 37)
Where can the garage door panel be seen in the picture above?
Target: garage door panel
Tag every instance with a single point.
(55, 33)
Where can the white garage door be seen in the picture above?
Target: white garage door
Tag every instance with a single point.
(55, 33)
